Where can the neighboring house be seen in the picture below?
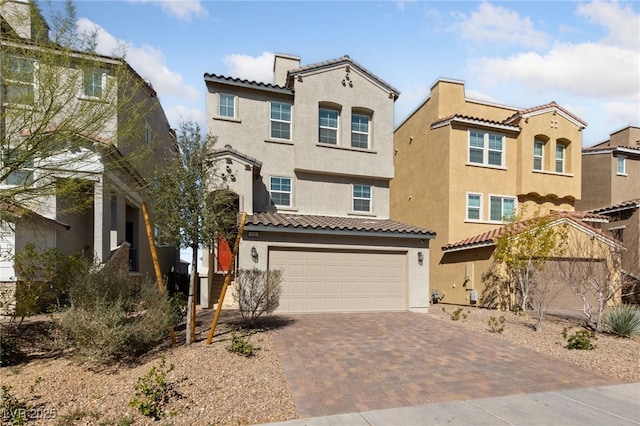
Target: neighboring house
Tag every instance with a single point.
(110, 166)
(310, 159)
(463, 166)
(611, 187)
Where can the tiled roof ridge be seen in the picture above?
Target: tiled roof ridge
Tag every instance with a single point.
(335, 61)
(605, 146)
(245, 81)
(551, 104)
(468, 117)
(620, 205)
(228, 148)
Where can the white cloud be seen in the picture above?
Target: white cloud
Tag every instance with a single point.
(251, 68)
(496, 24)
(181, 9)
(621, 21)
(480, 96)
(181, 114)
(623, 112)
(147, 60)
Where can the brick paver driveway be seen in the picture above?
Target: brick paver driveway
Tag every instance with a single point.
(342, 363)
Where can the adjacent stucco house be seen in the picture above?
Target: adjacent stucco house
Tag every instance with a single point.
(463, 166)
(110, 167)
(310, 158)
(611, 187)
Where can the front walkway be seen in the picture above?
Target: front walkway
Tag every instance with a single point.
(347, 363)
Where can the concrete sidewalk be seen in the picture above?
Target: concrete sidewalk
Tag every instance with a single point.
(601, 406)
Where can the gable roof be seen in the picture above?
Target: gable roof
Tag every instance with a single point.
(489, 238)
(466, 119)
(249, 84)
(543, 109)
(624, 205)
(16, 212)
(334, 225)
(228, 150)
(344, 60)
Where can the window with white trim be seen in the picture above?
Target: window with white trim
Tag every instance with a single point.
(93, 82)
(329, 120)
(474, 206)
(486, 148)
(280, 191)
(501, 208)
(21, 166)
(621, 165)
(560, 156)
(227, 106)
(362, 198)
(280, 115)
(538, 155)
(19, 79)
(360, 131)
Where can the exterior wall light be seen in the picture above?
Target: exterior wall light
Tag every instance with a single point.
(420, 257)
(254, 254)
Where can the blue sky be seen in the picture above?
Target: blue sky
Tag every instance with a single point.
(583, 55)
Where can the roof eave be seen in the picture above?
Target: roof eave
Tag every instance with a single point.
(343, 232)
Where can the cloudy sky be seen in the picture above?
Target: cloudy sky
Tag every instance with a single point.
(583, 55)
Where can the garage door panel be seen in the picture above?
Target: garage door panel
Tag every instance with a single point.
(336, 281)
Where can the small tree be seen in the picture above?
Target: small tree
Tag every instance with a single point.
(524, 247)
(257, 292)
(191, 210)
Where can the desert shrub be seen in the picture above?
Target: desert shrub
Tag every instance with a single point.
(457, 315)
(152, 391)
(622, 320)
(580, 339)
(257, 292)
(10, 352)
(496, 325)
(112, 317)
(240, 343)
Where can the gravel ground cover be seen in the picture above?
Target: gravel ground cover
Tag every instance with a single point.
(210, 385)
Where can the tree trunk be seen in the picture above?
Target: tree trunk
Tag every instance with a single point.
(191, 299)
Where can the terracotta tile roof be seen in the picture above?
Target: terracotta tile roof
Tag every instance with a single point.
(344, 59)
(330, 224)
(624, 205)
(473, 120)
(17, 212)
(607, 147)
(551, 105)
(489, 238)
(228, 150)
(216, 78)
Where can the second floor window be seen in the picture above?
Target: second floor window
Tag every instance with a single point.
(93, 82)
(280, 120)
(361, 198)
(474, 206)
(502, 208)
(360, 131)
(227, 105)
(621, 167)
(19, 79)
(328, 132)
(486, 148)
(280, 190)
(560, 151)
(538, 155)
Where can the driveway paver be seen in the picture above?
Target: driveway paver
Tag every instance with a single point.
(344, 363)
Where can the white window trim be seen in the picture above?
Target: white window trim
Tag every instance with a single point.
(564, 159)
(370, 199)
(480, 208)
(290, 192)
(502, 197)
(485, 150)
(368, 133)
(34, 83)
(103, 86)
(622, 158)
(271, 120)
(337, 129)
(541, 156)
(235, 106)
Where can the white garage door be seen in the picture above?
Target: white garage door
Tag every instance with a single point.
(340, 281)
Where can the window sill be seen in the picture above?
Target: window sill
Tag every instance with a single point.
(346, 148)
(547, 172)
(279, 141)
(486, 166)
(229, 119)
(367, 214)
(286, 209)
(622, 174)
(92, 99)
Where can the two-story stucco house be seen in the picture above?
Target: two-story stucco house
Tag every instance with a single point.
(463, 166)
(310, 157)
(107, 131)
(611, 187)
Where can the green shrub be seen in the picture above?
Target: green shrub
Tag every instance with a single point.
(622, 320)
(12, 410)
(257, 292)
(152, 392)
(457, 314)
(240, 343)
(112, 317)
(10, 352)
(580, 339)
(496, 325)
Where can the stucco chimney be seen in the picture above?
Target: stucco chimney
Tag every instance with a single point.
(282, 63)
